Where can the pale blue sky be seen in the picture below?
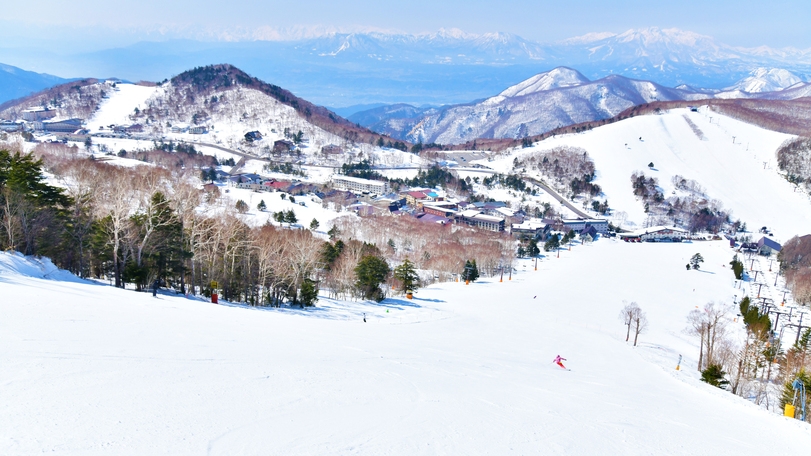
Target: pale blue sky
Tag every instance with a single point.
(95, 24)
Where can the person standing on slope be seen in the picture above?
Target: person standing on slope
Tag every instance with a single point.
(559, 361)
(155, 286)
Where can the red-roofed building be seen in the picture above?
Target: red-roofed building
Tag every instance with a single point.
(278, 185)
(413, 197)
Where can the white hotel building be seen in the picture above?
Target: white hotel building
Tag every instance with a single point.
(356, 184)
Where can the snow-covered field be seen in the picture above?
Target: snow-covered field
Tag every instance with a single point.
(90, 369)
(735, 163)
(122, 102)
(274, 202)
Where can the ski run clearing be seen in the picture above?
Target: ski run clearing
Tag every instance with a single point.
(461, 369)
(734, 161)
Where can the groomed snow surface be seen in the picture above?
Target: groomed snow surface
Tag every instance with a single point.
(89, 369)
(121, 103)
(734, 161)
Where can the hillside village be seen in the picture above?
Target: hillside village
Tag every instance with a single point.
(312, 162)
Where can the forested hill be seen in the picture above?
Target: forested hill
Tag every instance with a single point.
(206, 80)
(76, 99)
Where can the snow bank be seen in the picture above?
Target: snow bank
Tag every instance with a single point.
(17, 264)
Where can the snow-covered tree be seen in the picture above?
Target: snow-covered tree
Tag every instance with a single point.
(696, 260)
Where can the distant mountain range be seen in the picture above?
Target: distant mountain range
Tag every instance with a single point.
(446, 67)
(16, 82)
(555, 99)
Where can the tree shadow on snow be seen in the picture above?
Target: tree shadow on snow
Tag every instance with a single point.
(428, 300)
(400, 303)
(332, 309)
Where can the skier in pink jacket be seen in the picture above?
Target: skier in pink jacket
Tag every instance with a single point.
(558, 360)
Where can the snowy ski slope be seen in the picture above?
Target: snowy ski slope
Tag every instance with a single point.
(89, 369)
(120, 104)
(742, 174)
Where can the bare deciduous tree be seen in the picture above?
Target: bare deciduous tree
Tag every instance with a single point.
(627, 315)
(640, 324)
(709, 325)
(117, 202)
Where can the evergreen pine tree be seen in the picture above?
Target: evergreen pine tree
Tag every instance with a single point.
(737, 267)
(407, 275)
(333, 233)
(532, 248)
(261, 206)
(552, 243)
(696, 260)
(371, 271)
(471, 271)
(714, 375)
(308, 294)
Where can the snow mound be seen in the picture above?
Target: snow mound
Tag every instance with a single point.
(15, 263)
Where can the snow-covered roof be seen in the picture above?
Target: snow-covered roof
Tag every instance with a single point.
(657, 229)
(505, 212)
(356, 180)
(529, 225)
(470, 213)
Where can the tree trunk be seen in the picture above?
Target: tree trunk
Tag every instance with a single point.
(701, 352)
(116, 269)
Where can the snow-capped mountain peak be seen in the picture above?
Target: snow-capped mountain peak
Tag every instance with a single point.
(453, 33)
(588, 38)
(553, 79)
(652, 35)
(766, 80)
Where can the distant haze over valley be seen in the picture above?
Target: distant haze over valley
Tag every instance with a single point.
(447, 67)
